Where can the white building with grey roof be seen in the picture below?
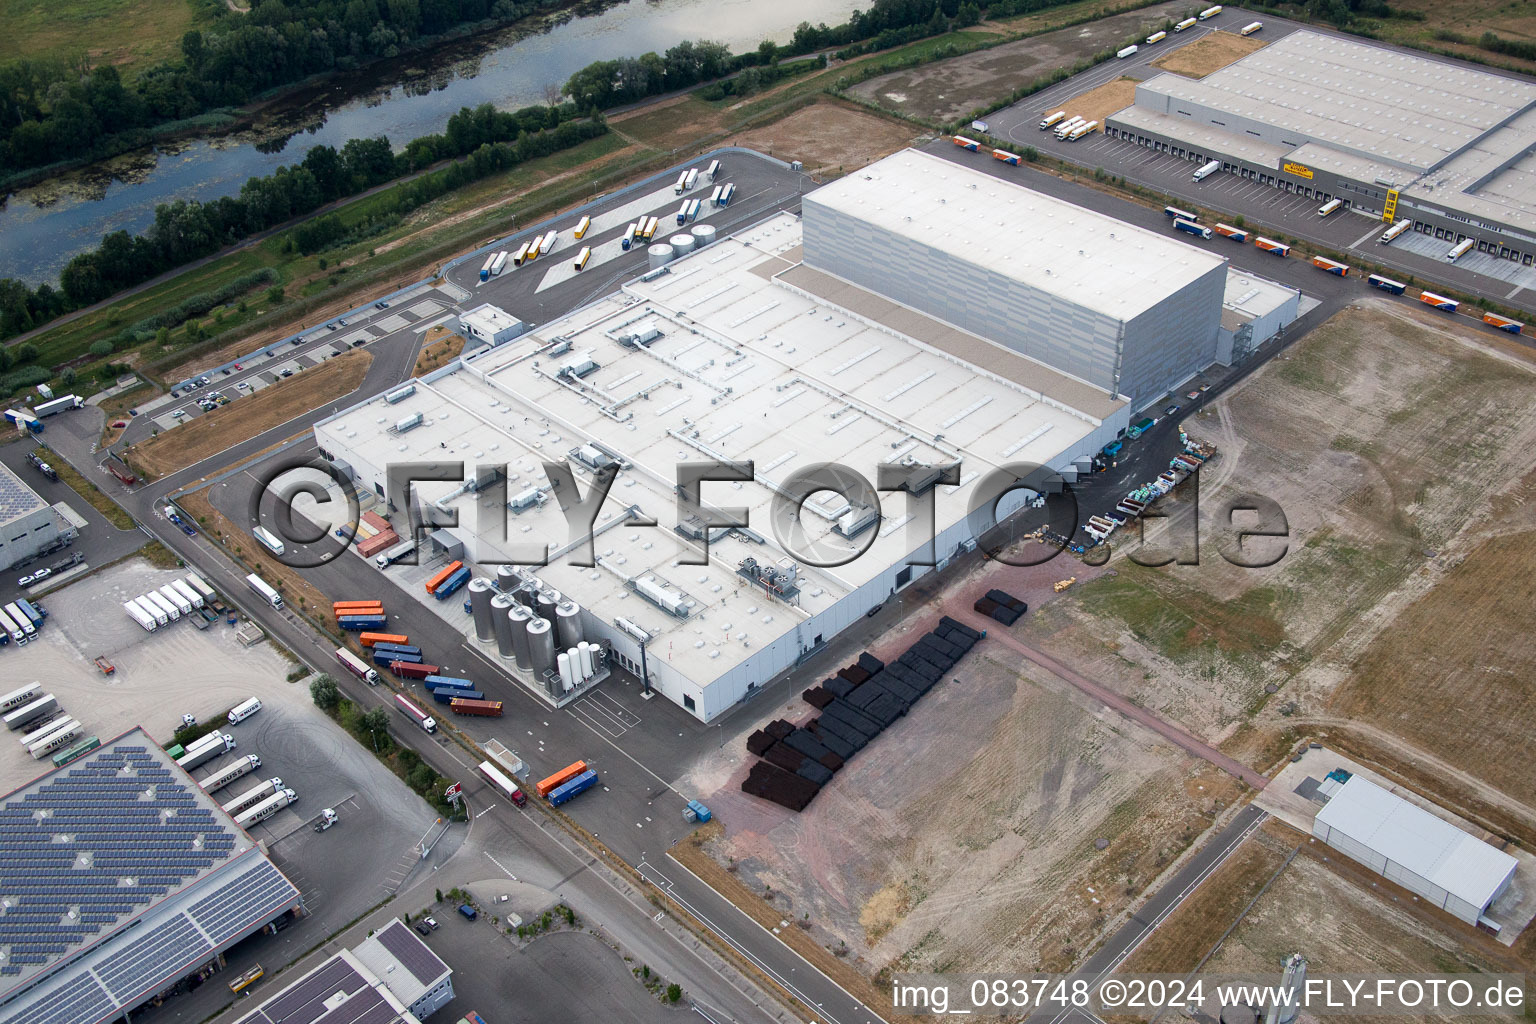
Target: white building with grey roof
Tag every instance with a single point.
(1452, 148)
(751, 350)
(28, 524)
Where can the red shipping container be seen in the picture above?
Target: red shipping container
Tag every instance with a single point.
(376, 521)
(378, 542)
(413, 670)
(464, 706)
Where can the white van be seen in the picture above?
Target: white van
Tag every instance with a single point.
(240, 712)
(979, 126)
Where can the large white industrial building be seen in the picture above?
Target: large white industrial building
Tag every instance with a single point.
(755, 348)
(1129, 311)
(1448, 147)
(1426, 855)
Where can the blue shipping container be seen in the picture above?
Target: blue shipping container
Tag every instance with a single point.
(402, 648)
(433, 682)
(580, 784)
(447, 588)
(361, 623)
(35, 614)
(385, 657)
(447, 694)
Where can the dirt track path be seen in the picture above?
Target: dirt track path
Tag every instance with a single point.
(1109, 698)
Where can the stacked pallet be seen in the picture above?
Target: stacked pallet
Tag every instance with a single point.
(856, 705)
(1005, 608)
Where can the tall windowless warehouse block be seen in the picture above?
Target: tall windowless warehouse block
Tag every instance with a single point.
(911, 225)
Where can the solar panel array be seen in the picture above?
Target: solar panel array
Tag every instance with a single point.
(260, 894)
(16, 498)
(93, 843)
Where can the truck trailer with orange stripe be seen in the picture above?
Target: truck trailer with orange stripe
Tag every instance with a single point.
(442, 576)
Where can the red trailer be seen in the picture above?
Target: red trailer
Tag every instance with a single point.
(464, 706)
(413, 670)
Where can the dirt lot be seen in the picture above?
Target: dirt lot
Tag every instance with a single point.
(213, 432)
(1007, 875)
(949, 88)
(1398, 446)
(1337, 919)
(1097, 104)
(437, 351)
(828, 137)
(1210, 53)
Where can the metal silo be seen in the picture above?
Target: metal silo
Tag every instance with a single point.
(507, 578)
(545, 603)
(660, 255)
(703, 234)
(480, 593)
(541, 646)
(501, 625)
(682, 243)
(518, 618)
(568, 623)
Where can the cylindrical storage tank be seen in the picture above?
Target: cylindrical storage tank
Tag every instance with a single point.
(507, 578)
(568, 623)
(480, 594)
(563, 665)
(660, 255)
(524, 596)
(703, 234)
(541, 646)
(544, 605)
(585, 653)
(681, 243)
(501, 604)
(518, 618)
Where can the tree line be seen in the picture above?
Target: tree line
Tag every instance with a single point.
(53, 110)
(183, 231)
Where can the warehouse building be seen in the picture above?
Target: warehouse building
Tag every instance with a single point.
(1130, 311)
(29, 526)
(1448, 147)
(392, 977)
(489, 325)
(1426, 855)
(120, 878)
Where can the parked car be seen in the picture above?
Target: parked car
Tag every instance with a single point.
(245, 384)
(178, 414)
(421, 926)
(226, 371)
(1205, 387)
(297, 340)
(204, 380)
(1192, 395)
(286, 373)
(1170, 410)
(237, 366)
(342, 322)
(381, 305)
(329, 327)
(430, 922)
(468, 911)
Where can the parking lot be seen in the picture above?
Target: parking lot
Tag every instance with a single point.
(550, 285)
(1263, 207)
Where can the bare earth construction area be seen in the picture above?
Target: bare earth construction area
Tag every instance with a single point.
(1399, 449)
(949, 88)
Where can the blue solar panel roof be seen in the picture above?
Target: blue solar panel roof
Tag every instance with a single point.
(118, 836)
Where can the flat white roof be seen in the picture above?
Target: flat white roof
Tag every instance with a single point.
(1426, 845)
(489, 319)
(1384, 104)
(744, 367)
(1040, 241)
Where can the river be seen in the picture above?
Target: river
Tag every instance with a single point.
(41, 228)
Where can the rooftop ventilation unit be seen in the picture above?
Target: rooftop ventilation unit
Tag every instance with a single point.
(400, 394)
(661, 597)
(592, 457)
(525, 500)
(579, 367)
(856, 520)
(781, 583)
(409, 423)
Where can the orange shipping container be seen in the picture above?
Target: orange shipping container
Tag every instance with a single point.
(378, 542)
(564, 775)
(377, 521)
(377, 609)
(369, 639)
(441, 577)
(339, 607)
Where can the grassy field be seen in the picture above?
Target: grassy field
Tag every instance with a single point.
(128, 33)
(437, 354)
(1510, 19)
(272, 406)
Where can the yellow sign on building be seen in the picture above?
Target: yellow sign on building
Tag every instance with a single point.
(1297, 169)
(1389, 210)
